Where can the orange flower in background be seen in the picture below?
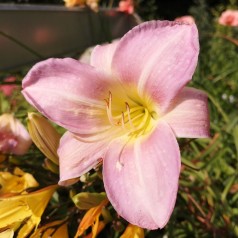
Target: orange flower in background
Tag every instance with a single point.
(185, 19)
(55, 229)
(126, 6)
(14, 138)
(229, 18)
(91, 219)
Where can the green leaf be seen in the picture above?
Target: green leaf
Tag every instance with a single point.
(229, 183)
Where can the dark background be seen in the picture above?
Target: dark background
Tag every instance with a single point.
(147, 9)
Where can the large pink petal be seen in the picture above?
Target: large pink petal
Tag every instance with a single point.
(101, 56)
(77, 158)
(141, 179)
(188, 115)
(159, 57)
(69, 93)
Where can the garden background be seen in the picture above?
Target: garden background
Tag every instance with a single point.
(207, 201)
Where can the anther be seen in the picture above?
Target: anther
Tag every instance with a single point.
(129, 115)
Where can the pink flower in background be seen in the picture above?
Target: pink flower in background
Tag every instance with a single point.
(126, 6)
(8, 89)
(229, 18)
(14, 138)
(185, 19)
(127, 107)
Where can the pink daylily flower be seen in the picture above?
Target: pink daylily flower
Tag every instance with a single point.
(229, 18)
(127, 107)
(14, 137)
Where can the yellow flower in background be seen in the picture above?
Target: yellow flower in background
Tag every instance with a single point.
(56, 229)
(73, 3)
(24, 210)
(93, 4)
(133, 231)
(9, 233)
(17, 182)
(91, 219)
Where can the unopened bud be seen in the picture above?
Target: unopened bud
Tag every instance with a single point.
(85, 200)
(44, 135)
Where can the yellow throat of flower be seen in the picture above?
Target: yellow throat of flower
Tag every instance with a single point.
(135, 116)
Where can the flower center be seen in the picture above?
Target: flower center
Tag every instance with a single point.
(131, 115)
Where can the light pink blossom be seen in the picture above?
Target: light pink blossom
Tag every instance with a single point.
(229, 18)
(185, 19)
(126, 6)
(127, 107)
(14, 138)
(8, 89)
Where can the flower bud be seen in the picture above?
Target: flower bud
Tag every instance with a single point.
(44, 135)
(85, 201)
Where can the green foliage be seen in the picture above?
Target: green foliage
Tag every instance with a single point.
(147, 9)
(208, 199)
(207, 203)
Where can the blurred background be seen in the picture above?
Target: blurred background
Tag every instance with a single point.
(207, 203)
(147, 9)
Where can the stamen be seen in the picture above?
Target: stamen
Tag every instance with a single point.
(129, 115)
(109, 110)
(122, 120)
